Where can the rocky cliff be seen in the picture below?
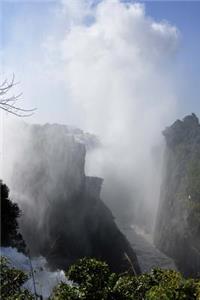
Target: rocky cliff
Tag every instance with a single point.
(178, 222)
(63, 216)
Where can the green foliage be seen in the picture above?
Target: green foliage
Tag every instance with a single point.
(67, 292)
(89, 271)
(172, 286)
(160, 293)
(125, 287)
(11, 281)
(9, 223)
(93, 280)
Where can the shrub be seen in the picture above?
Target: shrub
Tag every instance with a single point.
(11, 282)
(93, 280)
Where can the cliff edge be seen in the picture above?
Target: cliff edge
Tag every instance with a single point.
(63, 217)
(177, 231)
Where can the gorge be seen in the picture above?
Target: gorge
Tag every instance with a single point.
(63, 216)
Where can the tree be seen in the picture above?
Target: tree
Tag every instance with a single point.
(11, 282)
(91, 279)
(8, 103)
(9, 223)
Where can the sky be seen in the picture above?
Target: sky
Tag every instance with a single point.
(186, 16)
(26, 27)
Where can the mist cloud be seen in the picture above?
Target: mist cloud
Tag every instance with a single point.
(117, 72)
(109, 71)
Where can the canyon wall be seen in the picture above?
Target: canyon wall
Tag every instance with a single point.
(177, 231)
(63, 217)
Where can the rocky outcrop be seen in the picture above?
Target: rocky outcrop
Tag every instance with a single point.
(178, 222)
(63, 216)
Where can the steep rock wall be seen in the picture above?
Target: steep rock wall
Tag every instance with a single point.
(178, 222)
(63, 216)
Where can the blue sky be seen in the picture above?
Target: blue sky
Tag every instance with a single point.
(38, 20)
(186, 16)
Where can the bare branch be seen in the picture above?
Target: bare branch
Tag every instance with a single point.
(17, 112)
(8, 103)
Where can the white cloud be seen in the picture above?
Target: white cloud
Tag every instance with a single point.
(110, 63)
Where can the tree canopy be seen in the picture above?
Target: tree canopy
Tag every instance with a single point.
(10, 213)
(93, 280)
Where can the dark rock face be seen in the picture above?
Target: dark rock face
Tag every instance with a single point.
(178, 223)
(64, 218)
